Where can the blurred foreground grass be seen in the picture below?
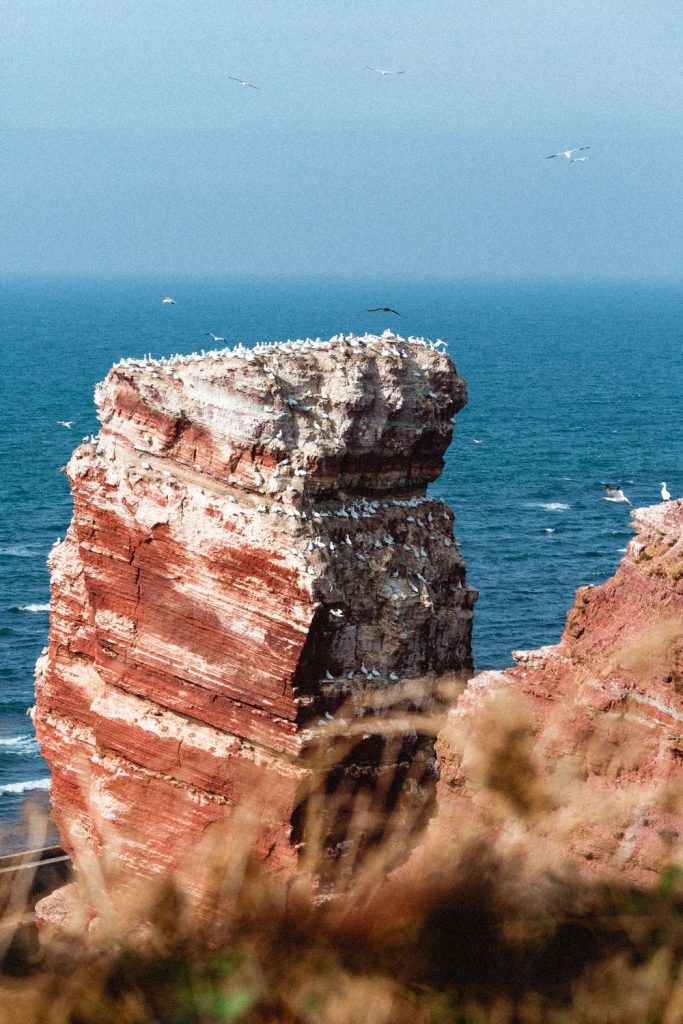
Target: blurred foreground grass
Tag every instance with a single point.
(411, 926)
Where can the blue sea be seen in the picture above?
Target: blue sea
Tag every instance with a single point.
(571, 384)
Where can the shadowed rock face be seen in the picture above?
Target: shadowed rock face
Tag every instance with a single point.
(251, 544)
(600, 718)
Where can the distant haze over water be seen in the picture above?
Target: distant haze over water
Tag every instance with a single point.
(571, 384)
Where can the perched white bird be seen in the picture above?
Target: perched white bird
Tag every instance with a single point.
(241, 81)
(665, 494)
(66, 423)
(615, 494)
(568, 153)
(384, 71)
(168, 301)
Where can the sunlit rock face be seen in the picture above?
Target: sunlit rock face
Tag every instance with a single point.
(581, 744)
(251, 548)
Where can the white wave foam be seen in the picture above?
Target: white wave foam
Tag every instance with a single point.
(25, 787)
(552, 506)
(35, 608)
(24, 744)
(18, 551)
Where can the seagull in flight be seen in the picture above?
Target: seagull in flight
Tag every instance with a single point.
(384, 71)
(615, 494)
(66, 423)
(665, 492)
(242, 82)
(168, 301)
(569, 153)
(384, 309)
(210, 334)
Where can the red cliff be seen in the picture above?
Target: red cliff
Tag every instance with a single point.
(583, 741)
(251, 544)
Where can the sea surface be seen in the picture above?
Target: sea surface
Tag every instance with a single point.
(571, 384)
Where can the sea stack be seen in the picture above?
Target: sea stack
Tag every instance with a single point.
(251, 546)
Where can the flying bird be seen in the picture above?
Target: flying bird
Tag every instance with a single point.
(168, 301)
(384, 309)
(66, 423)
(665, 494)
(569, 153)
(242, 82)
(210, 334)
(615, 494)
(384, 71)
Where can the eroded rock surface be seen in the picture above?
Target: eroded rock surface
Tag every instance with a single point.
(583, 741)
(251, 544)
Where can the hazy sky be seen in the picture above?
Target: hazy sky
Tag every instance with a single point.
(125, 147)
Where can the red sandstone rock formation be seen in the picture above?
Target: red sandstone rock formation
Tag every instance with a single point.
(597, 718)
(251, 542)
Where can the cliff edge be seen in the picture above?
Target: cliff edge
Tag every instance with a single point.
(581, 743)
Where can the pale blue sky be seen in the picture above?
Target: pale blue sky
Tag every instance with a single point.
(125, 147)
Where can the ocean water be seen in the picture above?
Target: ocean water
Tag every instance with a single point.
(571, 384)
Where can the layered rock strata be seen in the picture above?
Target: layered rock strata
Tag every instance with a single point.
(584, 740)
(251, 544)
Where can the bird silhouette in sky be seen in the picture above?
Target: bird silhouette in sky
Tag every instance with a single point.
(569, 153)
(384, 71)
(241, 81)
(384, 309)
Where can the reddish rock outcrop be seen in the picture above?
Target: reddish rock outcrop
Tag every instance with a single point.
(251, 544)
(583, 741)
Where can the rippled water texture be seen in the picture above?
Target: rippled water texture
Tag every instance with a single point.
(570, 385)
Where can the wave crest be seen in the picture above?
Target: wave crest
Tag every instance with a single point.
(23, 744)
(25, 787)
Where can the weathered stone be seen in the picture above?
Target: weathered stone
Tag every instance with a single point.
(604, 709)
(251, 544)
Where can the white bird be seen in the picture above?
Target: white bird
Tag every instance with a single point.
(168, 301)
(665, 494)
(477, 440)
(209, 334)
(568, 153)
(615, 494)
(66, 423)
(384, 71)
(337, 613)
(242, 82)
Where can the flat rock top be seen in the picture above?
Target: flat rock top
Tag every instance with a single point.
(665, 517)
(340, 394)
(368, 413)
